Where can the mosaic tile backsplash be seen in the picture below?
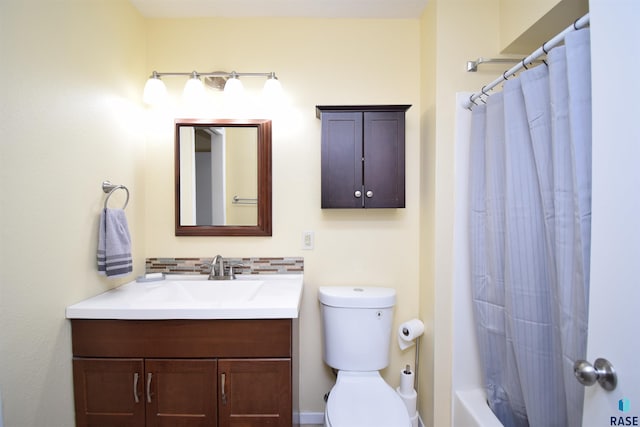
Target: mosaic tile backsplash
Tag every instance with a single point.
(284, 265)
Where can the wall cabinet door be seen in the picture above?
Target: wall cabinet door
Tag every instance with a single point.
(254, 393)
(342, 160)
(384, 160)
(363, 156)
(139, 392)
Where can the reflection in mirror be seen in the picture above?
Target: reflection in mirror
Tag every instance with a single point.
(223, 177)
(218, 175)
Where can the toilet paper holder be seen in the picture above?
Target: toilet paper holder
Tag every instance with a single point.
(412, 330)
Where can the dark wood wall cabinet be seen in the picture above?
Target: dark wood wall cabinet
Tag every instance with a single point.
(188, 373)
(363, 155)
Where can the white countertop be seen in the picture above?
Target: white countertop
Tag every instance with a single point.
(259, 296)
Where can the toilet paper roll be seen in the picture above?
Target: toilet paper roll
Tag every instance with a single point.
(408, 332)
(406, 381)
(410, 400)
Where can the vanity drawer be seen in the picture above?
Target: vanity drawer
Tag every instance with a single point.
(182, 338)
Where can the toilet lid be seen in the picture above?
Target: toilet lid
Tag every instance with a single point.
(366, 402)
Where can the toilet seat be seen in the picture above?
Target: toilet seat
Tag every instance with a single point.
(364, 399)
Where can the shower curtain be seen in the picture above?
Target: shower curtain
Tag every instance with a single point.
(530, 202)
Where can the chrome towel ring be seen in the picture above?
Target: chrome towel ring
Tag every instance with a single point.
(110, 188)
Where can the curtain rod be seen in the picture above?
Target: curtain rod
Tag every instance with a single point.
(542, 50)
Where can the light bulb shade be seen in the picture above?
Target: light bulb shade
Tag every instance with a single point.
(272, 89)
(233, 87)
(193, 90)
(155, 92)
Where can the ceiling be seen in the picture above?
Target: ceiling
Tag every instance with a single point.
(281, 8)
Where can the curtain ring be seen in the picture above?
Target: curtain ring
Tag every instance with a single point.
(544, 49)
(484, 93)
(575, 24)
(504, 76)
(524, 65)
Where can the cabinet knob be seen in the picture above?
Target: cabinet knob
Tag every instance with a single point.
(369, 194)
(358, 193)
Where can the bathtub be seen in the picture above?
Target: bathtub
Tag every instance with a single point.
(470, 409)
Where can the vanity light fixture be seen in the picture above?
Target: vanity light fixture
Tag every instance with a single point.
(234, 86)
(155, 91)
(272, 87)
(194, 89)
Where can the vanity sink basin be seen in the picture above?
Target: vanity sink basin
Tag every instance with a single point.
(180, 297)
(200, 293)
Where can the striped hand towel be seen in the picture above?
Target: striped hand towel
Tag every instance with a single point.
(114, 244)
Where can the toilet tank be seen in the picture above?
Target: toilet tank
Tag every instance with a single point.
(357, 325)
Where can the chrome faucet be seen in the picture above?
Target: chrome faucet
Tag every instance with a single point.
(217, 267)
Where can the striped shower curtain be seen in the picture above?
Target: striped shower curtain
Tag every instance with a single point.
(530, 190)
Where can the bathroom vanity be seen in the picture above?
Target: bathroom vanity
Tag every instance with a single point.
(223, 363)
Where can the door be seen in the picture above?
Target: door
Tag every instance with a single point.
(108, 392)
(180, 392)
(254, 393)
(384, 159)
(341, 160)
(614, 305)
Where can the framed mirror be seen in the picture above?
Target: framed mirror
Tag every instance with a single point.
(223, 177)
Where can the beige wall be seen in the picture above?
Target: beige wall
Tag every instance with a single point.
(70, 79)
(318, 62)
(446, 48)
(241, 154)
(525, 25)
(516, 16)
(428, 43)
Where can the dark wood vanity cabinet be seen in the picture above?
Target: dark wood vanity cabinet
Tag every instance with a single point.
(363, 156)
(145, 392)
(202, 373)
(256, 392)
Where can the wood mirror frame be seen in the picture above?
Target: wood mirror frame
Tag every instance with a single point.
(263, 226)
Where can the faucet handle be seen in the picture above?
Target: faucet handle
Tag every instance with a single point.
(232, 266)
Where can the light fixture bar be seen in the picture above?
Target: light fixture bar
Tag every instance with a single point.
(155, 90)
(156, 74)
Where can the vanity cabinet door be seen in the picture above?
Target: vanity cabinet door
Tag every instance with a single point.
(109, 392)
(180, 392)
(145, 392)
(254, 393)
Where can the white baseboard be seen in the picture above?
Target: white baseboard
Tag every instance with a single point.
(317, 418)
(312, 418)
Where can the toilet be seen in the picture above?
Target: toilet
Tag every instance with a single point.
(357, 325)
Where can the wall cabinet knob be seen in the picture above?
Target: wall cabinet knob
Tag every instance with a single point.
(369, 194)
(358, 193)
